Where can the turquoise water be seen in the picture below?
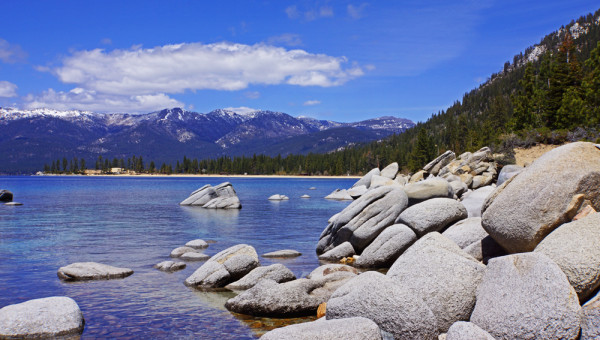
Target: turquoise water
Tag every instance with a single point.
(135, 223)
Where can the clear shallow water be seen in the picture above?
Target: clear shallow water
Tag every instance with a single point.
(135, 223)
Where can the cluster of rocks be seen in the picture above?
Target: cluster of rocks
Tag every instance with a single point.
(528, 267)
(222, 196)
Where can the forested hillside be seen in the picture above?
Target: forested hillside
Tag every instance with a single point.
(549, 93)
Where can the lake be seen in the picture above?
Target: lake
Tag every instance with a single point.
(135, 223)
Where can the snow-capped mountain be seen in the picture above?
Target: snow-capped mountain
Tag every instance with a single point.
(31, 138)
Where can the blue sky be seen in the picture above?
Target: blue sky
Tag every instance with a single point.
(336, 60)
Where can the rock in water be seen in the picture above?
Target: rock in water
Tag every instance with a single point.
(293, 298)
(462, 330)
(177, 252)
(305, 196)
(222, 196)
(285, 253)
(432, 215)
(394, 309)
(322, 329)
(278, 197)
(6, 196)
(194, 256)
(197, 244)
(386, 248)
(41, 318)
(83, 271)
(170, 266)
(545, 195)
(575, 247)
(362, 220)
(225, 267)
(526, 296)
(276, 272)
(443, 275)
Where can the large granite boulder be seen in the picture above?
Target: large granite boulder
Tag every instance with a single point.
(590, 319)
(432, 215)
(284, 253)
(485, 249)
(348, 329)
(170, 266)
(225, 267)
(340, 195)
(343, 250)
(278, 197)
(441, 161)
(386, 248)
(390, 171)
(473, 201)
(293, 298)
(377, 181)
(361, 221)
(462, 330)
(50, 317)
(326, 269)
(84, 271)
(545, 195)
(507, 172)
(575, 247)
(443, 275)
(6, 196)
(526, 296)
(427, 189)
(358, 191)
(222, 196)
(366, 179)
(392, 307)
(276, 272)
(465, 232)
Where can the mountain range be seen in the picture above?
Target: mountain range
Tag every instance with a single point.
(31, 138)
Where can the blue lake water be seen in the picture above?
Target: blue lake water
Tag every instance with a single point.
(135, 223)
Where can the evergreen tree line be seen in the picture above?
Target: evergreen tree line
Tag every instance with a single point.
(550, 99)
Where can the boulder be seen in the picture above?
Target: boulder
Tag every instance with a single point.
(194, 256)
(545, 195)
(197, 244)
(526, 296)
(170, 266)
(462, 330)
(590, 319)
(57, 316)
(418, 176)
(465, 232)
(225, 267)
(6, 196)
(393, 308)
(285, 253)
(481, 181)
(340, 195)
(435, 239)
(401, 180)
(441, 161)
(390, 171)
(312, 188)
(507, 172)
(575, 247)
(366, 179)
(326, 269)
(83, 271)
(349, 329)
(222, 196)
(276, 272)
(445, 279)
(278, 197)
(358, 191)
(432, 215)
(459, 188)
(427, 189)
(361, 221)
(386, 248)
(13, 203)
(485, 249)
(377, 181)
(343, 250)
(177, 252)
(474, 200)
(305, 196)
(293, 298)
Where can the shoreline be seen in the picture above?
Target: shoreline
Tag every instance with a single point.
(206, 176)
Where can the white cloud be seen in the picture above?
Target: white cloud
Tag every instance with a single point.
(309, 14)
(196, 66)
(311, 102)
(356, 12)
(7, 89)
(11, 53)
(242, 110)
(287, 39)
(83, 99)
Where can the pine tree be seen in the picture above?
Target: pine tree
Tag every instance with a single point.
(591, 87)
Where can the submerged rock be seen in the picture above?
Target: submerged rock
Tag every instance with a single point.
(170, 266)
(278, 197)
(177, 252)
(41, 318)
(83, 271)
(13, 203)
(197, 244)
(222, 196)
(285, 253)
(194, 256)
(305, 196)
